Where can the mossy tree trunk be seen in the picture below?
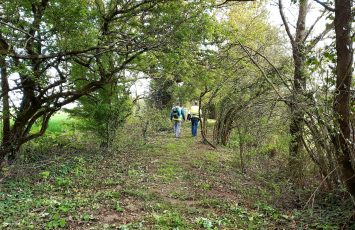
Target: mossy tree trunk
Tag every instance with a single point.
(342, 138)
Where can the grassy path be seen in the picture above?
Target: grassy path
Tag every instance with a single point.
(167, 183)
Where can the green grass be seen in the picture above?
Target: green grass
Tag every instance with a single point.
(58, 122)
(167, 183)
(169, 171)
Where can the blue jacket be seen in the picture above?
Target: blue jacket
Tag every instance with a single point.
(181, 114)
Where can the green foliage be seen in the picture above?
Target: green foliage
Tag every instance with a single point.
(56, 222)
(62, 136)
(170, 220)
(129, 226)
(87, 217)
(161, 93)
(150, 120)
(169, 171)
(68, 49)
(140, 193)
(179, 73)
(45, 174)
(59, 124)
(62, 182)
(118, 207)
(104, 112)
(205, 223)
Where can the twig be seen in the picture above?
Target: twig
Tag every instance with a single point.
(18, 29)
(261, 70)
(3, 178)
(315, 191)
(41, 165)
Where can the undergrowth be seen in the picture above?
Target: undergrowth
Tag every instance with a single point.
(159, 183)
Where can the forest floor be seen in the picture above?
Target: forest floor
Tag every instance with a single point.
(165, 183)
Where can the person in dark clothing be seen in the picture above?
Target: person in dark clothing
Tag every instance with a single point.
(195, 114)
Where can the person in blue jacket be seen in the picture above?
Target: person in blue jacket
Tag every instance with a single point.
(177, 115)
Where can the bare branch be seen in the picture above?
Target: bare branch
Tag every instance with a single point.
(132, 9)
(12, 89)
(313, 25)
(18, 29)
(325, 5)
(275, 69)
(50, 86)
(320, 36)
(231, 1)
(286, 23)
(261, 70)
(54, 55)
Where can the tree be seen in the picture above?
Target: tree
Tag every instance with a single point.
(104, 111)
(344, 137)
(43, 40)
(161, 92)
(299, 82)
(301, 45)
(340, 130)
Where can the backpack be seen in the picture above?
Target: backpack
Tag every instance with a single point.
(176, 113)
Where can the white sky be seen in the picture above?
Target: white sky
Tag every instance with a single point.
(291, 13)
(140, 88)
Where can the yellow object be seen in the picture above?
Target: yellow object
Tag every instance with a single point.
(178, 119)
(194, 111)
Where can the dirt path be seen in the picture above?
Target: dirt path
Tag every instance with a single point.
(183, 184)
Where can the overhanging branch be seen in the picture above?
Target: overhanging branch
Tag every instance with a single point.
(325, 5)
(55, 55)
(231, 1)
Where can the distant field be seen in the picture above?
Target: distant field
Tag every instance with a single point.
(57, 124)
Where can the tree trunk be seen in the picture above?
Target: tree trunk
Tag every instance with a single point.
(8, 150)
(202, 122)
(5, 112)
(223, 126)
(5, 100)
(299, 84)
(342, 138)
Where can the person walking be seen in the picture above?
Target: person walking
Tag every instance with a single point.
(177, 115)
(195, 114)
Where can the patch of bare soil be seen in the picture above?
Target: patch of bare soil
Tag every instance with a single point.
(132, 211)
(221, 192)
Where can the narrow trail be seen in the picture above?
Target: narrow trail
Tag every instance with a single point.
(183, 184)
(166, 183)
